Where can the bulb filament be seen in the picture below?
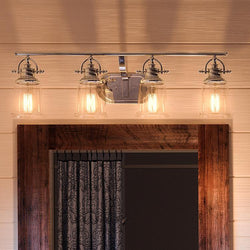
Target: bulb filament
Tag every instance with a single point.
(91, 103)
(215, 103)
(27, 103)
(152, 103)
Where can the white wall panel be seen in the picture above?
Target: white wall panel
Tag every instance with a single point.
(58, 102)
(240, 154)
(240, 200)
(8, 236)
(8, 205)
(241, 243)
(7, 163)
(240, 109)
(7, 106)
(241, 229)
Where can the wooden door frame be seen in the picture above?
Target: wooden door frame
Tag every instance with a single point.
(35, 142)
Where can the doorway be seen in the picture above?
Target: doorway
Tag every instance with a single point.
(161, 200)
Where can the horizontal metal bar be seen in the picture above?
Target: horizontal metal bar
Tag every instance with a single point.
(122, 54)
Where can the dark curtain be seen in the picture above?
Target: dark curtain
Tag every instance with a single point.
(88, 209)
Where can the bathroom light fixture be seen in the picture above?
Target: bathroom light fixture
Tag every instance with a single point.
(98, 87)
(215, 91)
(28, 87)
(93, 92)
(152, 90)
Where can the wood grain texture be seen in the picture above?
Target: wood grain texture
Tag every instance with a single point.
(94, 137)
(33, 190)
(214, 187)
(35, 141)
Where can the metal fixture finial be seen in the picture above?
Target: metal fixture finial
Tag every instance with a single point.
(151, 72)
(91, 78)
(26, 72)
(90, 72)
(214, 73)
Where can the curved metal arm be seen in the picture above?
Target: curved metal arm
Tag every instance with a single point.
(205, 70)
(90, 59)
(143, 66)
(159, 64)
(215, 59)
(152, 60)
(28, 59)
(223, 66)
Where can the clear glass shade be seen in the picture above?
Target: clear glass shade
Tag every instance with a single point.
(152, 99)
(89, 102)
(215, 100)
(28, 100)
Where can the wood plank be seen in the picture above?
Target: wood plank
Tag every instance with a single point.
(213, 187)
(125, 137)
(33, 192)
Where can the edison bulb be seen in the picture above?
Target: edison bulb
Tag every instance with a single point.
(215, 100)
(28, 100)
(91, 103)
(215, 103)
(152, 100)
(27, 103)
(152, 103)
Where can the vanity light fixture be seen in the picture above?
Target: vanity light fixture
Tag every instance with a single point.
(215, 90)
(152, 90)
(93, 92)
(94, 88)
(28, 89)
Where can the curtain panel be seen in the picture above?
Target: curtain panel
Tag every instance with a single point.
(88, 201)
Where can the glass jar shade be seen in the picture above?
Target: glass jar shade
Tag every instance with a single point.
(215, 99)
(28, 100)
(89, 102)
(152, 99)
